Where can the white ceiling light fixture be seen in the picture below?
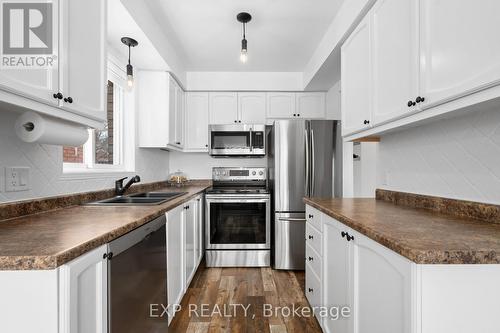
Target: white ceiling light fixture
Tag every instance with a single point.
(244, 18)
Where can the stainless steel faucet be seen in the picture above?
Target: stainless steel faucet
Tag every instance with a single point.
(120, 189)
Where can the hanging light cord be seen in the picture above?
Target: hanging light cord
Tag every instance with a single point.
(129, 54)
(244, 24)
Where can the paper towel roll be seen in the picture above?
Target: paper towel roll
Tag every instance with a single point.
(33, 127)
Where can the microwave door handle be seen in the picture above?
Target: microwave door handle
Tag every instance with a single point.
(313, 171)
(251, 143)
(306, 138)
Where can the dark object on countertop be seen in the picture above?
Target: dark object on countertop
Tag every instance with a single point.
(120, 189)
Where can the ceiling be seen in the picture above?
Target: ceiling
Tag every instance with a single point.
(282, 35)
(120, 24)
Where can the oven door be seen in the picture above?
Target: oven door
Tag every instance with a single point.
(238, 222)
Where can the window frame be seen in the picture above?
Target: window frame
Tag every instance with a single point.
(89, 169)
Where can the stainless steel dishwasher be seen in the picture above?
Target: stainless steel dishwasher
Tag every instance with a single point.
(137, 278)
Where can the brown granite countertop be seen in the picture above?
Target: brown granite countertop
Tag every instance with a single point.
(423, 236)
(49, 239)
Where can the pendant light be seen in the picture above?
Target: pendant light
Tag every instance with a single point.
(244, 18)
(130, 42)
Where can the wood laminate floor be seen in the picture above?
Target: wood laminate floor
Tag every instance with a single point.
(215, 299)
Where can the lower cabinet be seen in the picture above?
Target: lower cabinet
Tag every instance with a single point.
(83, 305)
(184, 252)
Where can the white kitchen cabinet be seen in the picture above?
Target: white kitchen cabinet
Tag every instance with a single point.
(199, 247)
(281, 105)
(355, 71)
(83, 291)
(189, 222)
(382, 281)
(175, 257)
(394, 49)
(337, 279)
(39, 84)
(223, 108)
(176, 112)
(84, 76)
(459, 48)
(153, 117)
(74, 88)
(311, 105)
(196, 121)
(252, 108)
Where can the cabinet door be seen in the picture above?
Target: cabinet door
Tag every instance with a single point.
(199, 250)
(172, 112)
(311, 105)
(175, 256)
(281, 105)
(459, 48)
(153, 103)
(395, 58)
(223, 108)
(179, 116)
(39, 84)
(83, 293)
(383, 287)
(337, 286)
(83, 72)
(196, 120)
(355, 72)
(189, 241)
(252, 108)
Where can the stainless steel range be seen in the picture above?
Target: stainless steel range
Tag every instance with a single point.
(238, 215)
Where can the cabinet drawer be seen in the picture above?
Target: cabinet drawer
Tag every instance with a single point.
(313, 216)
(313, 287)
(313, 238)
(314, 260)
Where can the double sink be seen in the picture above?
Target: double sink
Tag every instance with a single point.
(139, 199)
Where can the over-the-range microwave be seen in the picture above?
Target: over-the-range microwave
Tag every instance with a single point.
(237, 140)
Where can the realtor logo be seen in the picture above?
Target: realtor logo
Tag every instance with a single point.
(27, 34)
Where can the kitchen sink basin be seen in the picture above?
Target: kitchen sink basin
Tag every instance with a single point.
(139, 199)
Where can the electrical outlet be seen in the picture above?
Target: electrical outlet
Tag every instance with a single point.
(17, 179)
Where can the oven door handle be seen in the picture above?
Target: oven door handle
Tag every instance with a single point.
(242, 200)
(291, 219)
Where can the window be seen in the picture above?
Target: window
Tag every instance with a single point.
(103, 150)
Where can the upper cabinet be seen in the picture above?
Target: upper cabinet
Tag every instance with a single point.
(408, 56)
(196, 121)
(395, 64)
(223, 108)
(252, 108)
(177, 114)
(355, 72)
(281, 105)
(74, 87)
(459, 48)
(311, 105)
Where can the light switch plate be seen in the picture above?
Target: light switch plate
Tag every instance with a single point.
(17, 179)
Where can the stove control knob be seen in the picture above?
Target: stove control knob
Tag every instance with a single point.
(254, 173)
(261, 173)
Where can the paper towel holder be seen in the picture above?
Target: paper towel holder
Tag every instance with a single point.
(29, 126)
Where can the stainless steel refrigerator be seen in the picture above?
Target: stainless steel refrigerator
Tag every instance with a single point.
(304, 160)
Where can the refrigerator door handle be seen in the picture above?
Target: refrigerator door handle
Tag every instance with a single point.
(306, 136)
(313, 172)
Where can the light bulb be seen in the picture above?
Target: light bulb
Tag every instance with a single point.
(243, 56)
(130, 81)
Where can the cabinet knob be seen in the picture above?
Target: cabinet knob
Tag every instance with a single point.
(366, 122)
(311, 237)
(419, 99)
(310, 290)
(343, 234)
(311, 216)
(177, 143)
(239, 121)
(206, 146)
(410, 104)
(58, 96)
(298, 114)
(295, 115)
(349, 238)
(236, 121)
(310, 258)
(68, 100)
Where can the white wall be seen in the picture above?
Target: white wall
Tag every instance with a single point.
(45, 161)
(256, 81)
(456, 158)
(199, 165)
(365, 169)
(333, 103)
